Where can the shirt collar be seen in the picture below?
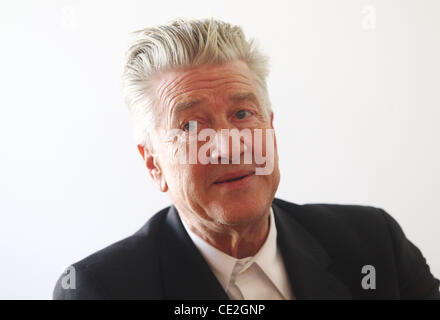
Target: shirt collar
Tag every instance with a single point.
(223, 264)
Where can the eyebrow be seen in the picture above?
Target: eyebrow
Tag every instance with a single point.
(244, 96)
(238, 97)
(180, 106)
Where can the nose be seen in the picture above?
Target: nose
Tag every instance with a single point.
(230, 145)
(221, 148)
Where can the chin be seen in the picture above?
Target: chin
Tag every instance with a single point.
(240, 212)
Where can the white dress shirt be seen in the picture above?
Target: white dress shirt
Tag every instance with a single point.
(260, 277)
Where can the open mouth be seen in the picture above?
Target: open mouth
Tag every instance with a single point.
(235, 178)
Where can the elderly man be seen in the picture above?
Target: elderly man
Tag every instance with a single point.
(197, 92)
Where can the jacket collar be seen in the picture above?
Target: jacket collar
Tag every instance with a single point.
(186, 275)
(307, 263)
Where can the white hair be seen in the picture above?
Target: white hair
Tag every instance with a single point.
(183, 43)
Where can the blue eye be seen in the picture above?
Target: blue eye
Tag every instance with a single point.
(241, 114)
(191, 125)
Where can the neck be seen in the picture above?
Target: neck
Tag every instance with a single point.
(237, 241)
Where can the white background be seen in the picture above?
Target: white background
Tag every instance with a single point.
(356, 113)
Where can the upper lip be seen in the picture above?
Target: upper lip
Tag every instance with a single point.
(233, 175)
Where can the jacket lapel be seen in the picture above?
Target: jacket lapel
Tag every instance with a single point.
(307, 263)
(186, 275)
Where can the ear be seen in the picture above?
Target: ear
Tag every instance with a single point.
(153, 168)
(271, 126)
(271, 120)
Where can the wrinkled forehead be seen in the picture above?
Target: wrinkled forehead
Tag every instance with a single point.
(222, 81)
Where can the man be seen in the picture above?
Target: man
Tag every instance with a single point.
(226, 236)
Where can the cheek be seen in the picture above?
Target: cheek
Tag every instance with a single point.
(260, 145)
(176, 149)
(193, 181)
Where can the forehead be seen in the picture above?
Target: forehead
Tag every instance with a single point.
(203, 82)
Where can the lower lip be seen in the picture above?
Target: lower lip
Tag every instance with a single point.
(237, 183)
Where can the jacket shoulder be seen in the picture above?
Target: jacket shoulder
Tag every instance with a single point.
(344, 228)
(127, 269)
(355, 236)
(336, 215)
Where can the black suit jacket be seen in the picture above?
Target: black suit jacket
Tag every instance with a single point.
(324, 248)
